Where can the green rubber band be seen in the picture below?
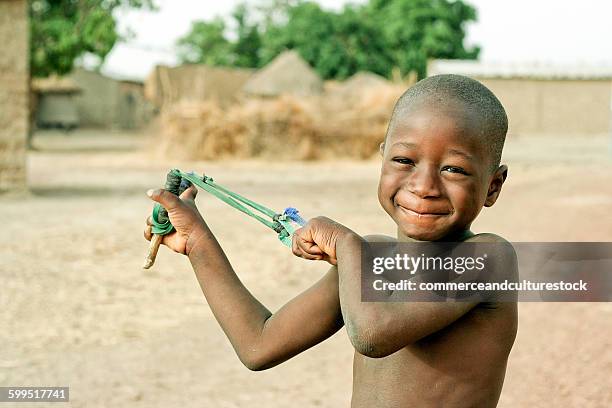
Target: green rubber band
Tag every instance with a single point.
(245, 200)
(233, 200)
(279, 223)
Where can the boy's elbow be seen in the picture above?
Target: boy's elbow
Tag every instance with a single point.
(254, 366)
(259, 359)
(370, 339)
(365, 346)
(255, 362)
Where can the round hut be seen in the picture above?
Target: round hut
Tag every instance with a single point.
(289, 74)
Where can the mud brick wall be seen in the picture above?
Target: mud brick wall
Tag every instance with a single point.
(14, 94)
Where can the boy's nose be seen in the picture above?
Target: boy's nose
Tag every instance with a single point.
(424, 183)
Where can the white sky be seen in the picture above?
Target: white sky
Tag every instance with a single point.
(549, 31)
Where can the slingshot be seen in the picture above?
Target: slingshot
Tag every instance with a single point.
(177, 182)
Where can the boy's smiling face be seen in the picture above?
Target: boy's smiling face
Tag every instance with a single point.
(436, 174)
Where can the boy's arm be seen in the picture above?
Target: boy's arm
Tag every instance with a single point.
(378, 329)
(261, 339)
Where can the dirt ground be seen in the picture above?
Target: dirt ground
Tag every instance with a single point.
(77, 310)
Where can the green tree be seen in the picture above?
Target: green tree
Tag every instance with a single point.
(247, 46)
(417, 30)
(377, 36)
(336, 44)
(64, 30)
(307, 28)
(206, 43)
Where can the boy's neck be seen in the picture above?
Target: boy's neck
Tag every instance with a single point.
(457, 236)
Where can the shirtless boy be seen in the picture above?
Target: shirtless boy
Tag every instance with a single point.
(440, 167)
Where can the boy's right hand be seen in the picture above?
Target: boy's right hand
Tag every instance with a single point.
(317, 239)
(189, 226)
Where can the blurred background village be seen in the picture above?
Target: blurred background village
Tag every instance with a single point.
(286, 102)
(272, 74)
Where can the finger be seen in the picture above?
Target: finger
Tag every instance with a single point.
(310, 250)
(308, 246)
(308, 256)
(312, 257)
(149, 220)
(190, 193)
(168, 200)
(148, 232)
(306, 242)
(294, 246)
(330, 260)
(299, 252)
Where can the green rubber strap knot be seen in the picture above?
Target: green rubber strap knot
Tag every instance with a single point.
(160, 228)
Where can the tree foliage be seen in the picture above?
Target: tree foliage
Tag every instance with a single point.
(206, 44)
(336, 44)
(377, 36)
(247, 45)
(417, 30)
(64, 30)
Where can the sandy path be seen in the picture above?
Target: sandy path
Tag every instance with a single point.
(77, 310)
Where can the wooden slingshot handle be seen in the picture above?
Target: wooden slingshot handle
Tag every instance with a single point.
(153, 248)
(174, 186)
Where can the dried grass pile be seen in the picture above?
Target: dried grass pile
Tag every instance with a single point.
(280, 128)
(354, 127)
(194, 130)
(267, 129)
(284, 128)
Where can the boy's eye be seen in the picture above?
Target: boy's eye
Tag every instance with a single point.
(403, 160)
(454, 169)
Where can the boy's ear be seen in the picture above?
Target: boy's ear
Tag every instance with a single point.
(382, 148)
(495, 186)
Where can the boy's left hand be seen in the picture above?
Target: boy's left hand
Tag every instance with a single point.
(317, 239)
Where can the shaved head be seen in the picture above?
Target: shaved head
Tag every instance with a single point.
(469, 95)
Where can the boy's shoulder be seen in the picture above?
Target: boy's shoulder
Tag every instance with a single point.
(502, 260)
(487, 237)
(379, 238)
(495, 243)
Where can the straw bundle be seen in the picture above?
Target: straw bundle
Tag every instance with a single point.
(195, 131)
(282, 128)
(354, 127)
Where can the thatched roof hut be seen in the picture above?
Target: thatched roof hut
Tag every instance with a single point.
(364, 80)
(356, 86)
(54, 85)
(286, 74)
